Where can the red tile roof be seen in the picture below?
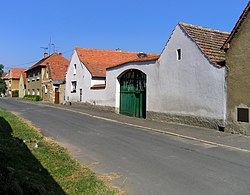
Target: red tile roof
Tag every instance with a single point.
(54, 60)
(237, 26)
(16, 72)
(208, 40)
(58, 66)
(5, 75)
(97, 61)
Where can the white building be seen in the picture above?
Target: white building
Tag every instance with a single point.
(185, 84)
(86, 74)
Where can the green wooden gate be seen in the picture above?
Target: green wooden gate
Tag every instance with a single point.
(133, 94)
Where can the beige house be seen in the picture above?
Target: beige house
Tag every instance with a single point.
(237, 49)
(13, 84)
(53, 84)
(35, 74)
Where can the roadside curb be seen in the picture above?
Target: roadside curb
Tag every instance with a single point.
(156, 130)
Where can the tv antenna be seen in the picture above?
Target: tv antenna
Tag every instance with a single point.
(45, 49)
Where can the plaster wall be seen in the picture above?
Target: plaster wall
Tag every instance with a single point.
(113, 86)
(84, 81)
(191, 86)
(238, 80)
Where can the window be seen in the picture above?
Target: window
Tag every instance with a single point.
(37, 77)
(47, 74)
(28, 79)
(33, 77)
(178, 52)
(243, 115)
(37, 92)
(46, 89)
(73, 86)
(33, 91)
(28, 92)
(74, 69)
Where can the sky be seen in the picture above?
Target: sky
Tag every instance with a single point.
(131, 25)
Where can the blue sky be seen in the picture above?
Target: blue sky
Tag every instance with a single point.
(132, 25)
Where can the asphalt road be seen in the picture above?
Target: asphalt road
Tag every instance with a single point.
(148, 162)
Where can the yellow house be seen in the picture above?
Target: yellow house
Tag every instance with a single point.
(13, 83)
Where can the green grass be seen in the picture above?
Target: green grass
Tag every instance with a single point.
(46, 169)
(32, 97)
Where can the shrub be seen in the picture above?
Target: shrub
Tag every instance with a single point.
(32, 97)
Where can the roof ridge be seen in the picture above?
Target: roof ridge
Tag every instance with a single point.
(110, 50)
(202, 27)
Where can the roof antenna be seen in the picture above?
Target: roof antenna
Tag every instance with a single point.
(45, 49)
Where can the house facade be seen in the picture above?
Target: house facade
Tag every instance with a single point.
(86, 74)
(185, 84)
(191, 78)
(13, 81)
(238, 71)
(53, 84)
(35, 74)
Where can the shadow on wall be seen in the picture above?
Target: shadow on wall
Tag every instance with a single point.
(20, 171)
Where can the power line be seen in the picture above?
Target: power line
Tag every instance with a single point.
(34, 61)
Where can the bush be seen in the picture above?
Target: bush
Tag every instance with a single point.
(32, 97)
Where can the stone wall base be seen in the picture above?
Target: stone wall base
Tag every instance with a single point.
(210, 123)
(91, 106)
(235, 128)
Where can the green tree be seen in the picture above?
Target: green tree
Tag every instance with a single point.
(2, 83)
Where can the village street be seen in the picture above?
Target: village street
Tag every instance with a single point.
(148, 162)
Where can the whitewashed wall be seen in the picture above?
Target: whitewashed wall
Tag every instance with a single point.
(113, 85)
(84, 82)
(190, 86)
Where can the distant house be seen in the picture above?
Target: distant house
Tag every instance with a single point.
(53, 84)
(237, 48)
(86, 74)
(190, 82)
(22, 85)
(13, 81)
(35, 74)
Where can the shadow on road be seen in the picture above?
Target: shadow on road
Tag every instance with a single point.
(20, 171)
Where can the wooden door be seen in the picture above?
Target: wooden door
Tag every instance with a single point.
(57, 96)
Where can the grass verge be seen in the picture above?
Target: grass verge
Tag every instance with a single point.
(33, 164)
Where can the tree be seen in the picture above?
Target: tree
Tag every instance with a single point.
(2, 82)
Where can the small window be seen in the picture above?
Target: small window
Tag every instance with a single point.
(37, 92)
(33, 91)
(73, 86)
(243, 115)
(74, 69)
(28, 92)
(178, 52)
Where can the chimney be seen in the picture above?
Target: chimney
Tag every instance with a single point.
(60, 54)
(142, 55)
(46, 55)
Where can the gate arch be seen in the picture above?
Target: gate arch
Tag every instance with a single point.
(133, 93)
